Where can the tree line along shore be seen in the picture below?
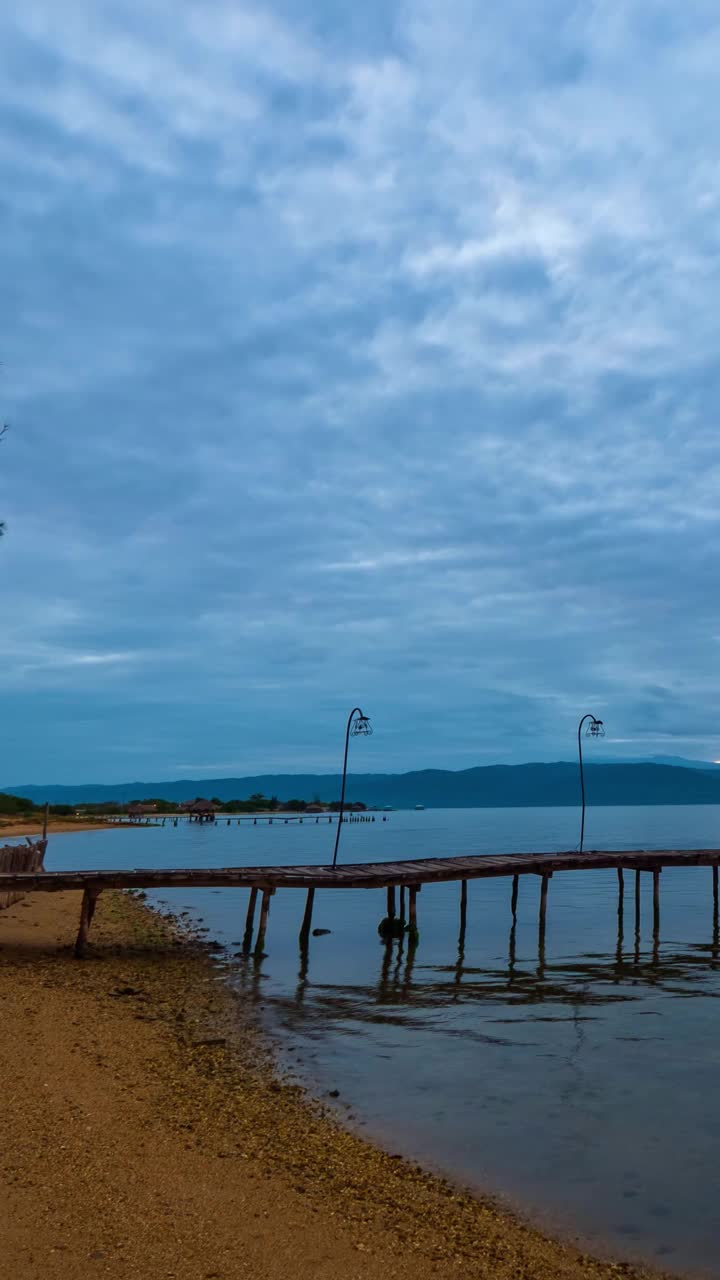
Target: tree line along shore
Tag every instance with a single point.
(22, 816)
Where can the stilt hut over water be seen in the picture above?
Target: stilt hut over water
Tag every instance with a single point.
(199, 810)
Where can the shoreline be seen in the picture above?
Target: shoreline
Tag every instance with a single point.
(56, 827)
(143, 1053)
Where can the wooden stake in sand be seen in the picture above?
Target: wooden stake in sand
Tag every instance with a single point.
(250, 922)
(87, 911)
(264, 913)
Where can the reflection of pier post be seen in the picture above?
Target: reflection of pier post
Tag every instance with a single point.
(408, 968)
(302, 974)
(619, 949)
(512, 953)
(385, 970)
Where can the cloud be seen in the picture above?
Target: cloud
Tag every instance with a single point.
(356, 359)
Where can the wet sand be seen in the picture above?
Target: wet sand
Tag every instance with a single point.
(147, 1134)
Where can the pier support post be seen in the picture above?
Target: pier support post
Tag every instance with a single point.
(262, 927)
(514, 898)
(621, 890)
(307, 918)
(249, 922)
(715, 891)
(87, 911)
(391, 902)
(637, 901)
(656, 899)
(463, 907)
(543, 897)
(402, 903)
(413, 934)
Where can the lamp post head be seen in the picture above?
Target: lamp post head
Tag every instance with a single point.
(595, 729)
(360, 726)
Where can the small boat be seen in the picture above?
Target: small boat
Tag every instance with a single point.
(419, 806)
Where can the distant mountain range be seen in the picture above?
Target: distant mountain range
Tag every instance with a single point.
(490, 786)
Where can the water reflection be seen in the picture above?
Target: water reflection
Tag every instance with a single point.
(405, 990)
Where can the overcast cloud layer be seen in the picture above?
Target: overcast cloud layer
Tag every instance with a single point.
(357, 353)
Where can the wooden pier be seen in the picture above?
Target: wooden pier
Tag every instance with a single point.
(407, 876)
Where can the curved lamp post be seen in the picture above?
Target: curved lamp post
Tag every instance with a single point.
(595, 729)
(357, 725)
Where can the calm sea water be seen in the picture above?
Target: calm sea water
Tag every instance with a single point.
(580, 1080)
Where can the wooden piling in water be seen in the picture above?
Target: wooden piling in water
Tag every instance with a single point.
(463, 906)
(514, 898)
(715, 890)
(307, 918)
(250, 921)
(621, 890)
(264, 913)
(402, 903)
(391, 902)
(413, 891)
(543, 898)
(656, 899)
(637, 901)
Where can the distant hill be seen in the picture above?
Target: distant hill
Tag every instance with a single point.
(678, 762)
(491, 786)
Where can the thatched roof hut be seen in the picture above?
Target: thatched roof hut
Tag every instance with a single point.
(202, 810)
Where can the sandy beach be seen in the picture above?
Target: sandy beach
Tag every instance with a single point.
(147, 1134)
(56, 826)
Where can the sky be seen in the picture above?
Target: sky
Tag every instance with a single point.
(357, 354)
